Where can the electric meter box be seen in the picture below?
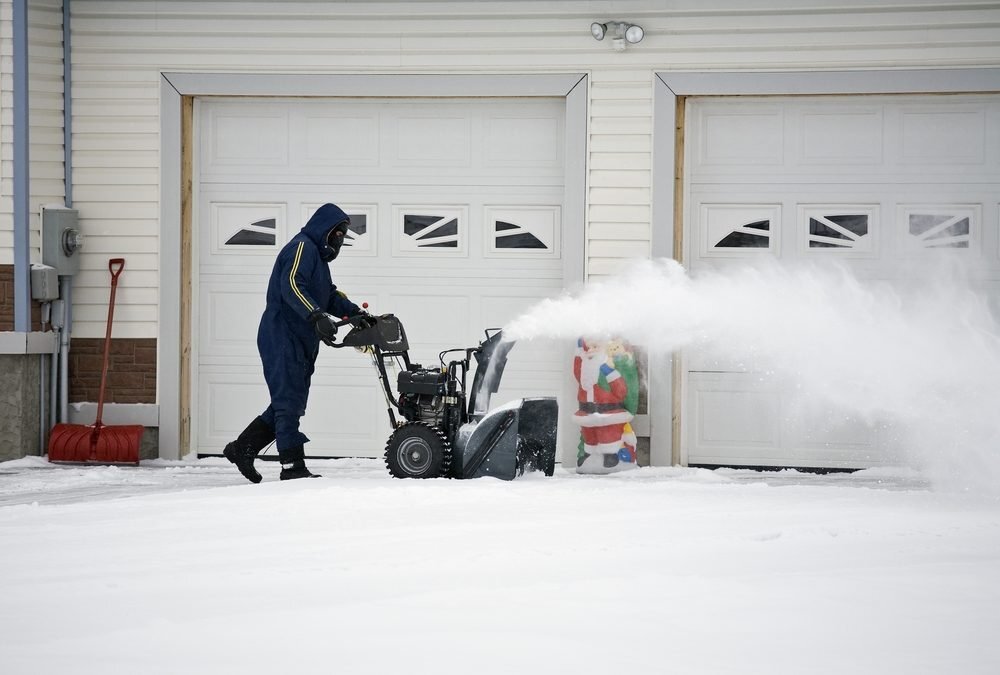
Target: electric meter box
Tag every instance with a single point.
(61, 240)
(44, 283)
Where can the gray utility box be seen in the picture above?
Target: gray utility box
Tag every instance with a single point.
(61, 240)
(44, 283)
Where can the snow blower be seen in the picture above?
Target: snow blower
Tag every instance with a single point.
(98, 443)
(443, 431)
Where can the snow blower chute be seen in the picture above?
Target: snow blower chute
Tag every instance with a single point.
(444, 431)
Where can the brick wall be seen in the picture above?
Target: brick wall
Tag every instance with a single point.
(131, 370)
(7, 302)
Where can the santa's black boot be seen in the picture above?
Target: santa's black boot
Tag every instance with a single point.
(242, 452)
(293, 464)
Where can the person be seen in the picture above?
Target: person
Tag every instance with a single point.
(301, 306)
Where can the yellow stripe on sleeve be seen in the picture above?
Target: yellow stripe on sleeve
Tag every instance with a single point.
(291, 278)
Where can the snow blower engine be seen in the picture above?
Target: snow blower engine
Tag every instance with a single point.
(444, 431)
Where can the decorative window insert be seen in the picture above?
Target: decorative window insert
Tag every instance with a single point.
(361, 237)
(430, 230)
(242, 228)
(526, 231)
(260, 233)
(739, 230)
(936, 227)
(848, 228)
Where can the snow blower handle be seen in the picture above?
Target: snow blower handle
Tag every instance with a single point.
(360, 320)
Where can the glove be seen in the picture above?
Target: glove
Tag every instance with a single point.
(325, 326)
(365, 320)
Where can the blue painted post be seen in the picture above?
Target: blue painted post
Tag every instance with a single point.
(67, 107)
(22, 183)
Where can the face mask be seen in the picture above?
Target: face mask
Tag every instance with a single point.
(334, 240)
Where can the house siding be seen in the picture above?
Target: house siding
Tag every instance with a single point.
(120, 47)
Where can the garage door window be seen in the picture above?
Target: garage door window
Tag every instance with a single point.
(735, 230)
(751, 235)
(845, 228)
(430, 230)
(259, 233)
(251, 228)
(357, 229)
(942, 227)
(528, 231)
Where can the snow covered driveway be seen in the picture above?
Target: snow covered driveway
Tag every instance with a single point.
(185, 568)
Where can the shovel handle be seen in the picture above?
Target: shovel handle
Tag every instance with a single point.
(115, 266)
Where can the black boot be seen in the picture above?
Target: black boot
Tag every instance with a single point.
(293, 464)
(241, 452)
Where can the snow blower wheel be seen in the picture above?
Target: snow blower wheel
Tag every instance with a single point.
(416, 450)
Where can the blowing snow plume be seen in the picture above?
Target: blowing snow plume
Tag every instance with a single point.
(923, 355)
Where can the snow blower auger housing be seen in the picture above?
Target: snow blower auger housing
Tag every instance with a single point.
(443, 429)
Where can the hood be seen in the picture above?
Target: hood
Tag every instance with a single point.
(325, 219)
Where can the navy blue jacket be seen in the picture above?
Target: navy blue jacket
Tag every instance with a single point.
(300, 283)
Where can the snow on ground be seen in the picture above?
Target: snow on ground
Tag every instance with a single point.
(182, 567)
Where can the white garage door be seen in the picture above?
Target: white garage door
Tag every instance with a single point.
(456, 227)
(869, 181)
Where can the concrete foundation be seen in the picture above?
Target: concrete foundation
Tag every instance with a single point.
(19, 405)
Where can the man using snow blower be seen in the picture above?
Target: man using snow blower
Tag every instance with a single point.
(302, 303)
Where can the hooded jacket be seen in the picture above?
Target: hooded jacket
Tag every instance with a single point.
(300, 283)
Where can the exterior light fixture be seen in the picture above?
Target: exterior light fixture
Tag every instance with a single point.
(634, 34)
(621, 33)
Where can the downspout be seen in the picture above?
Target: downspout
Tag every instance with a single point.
(66, 282)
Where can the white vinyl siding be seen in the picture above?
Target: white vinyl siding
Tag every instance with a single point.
(121, 46)
(620, 170)
(45, 72)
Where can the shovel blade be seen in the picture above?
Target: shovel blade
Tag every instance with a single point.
(85, 443)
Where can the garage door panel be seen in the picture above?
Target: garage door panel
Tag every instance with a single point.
(883, 138)
(934, 134)
(239, 139)
(343, 412)
(751, 135)
(815, 426)
(516, 141)
(433, 318)
(331, 140)
(429, 140)
(230, 315)
(345, 418)
(228, 400)
(747, 419)
(416, 141)
(842, 135)
(731, 411)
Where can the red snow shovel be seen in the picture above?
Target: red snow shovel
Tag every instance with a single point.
(98, 443)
